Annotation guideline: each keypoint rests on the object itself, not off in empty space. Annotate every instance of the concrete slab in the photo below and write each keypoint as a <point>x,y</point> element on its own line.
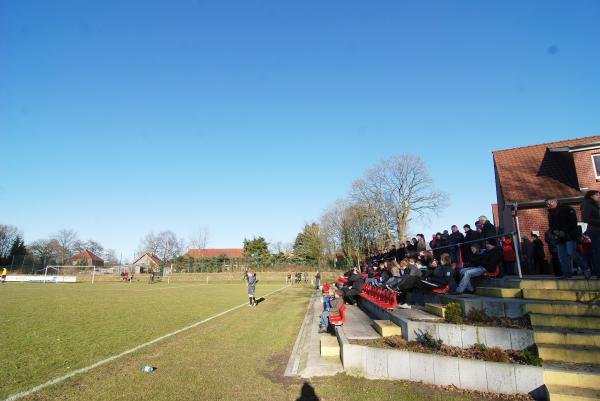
<point>376,363</point>
<point>436,309</point>
<point>422,368</point>
<point>446,370</point>
<point>500,378</point>
<point>358,325</point>
<point>306,360</point>
<point>387,328</point>
<point>450,334</point>
<point>472,376</point>
<point>498,336</point>
<point>399,365</point>
<point>529,378</point>
<point>329,345</point>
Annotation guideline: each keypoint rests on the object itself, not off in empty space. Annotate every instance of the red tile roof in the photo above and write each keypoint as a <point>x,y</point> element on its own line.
<point>211,253</point>
<point>532,173</point>
<point>86,255</point>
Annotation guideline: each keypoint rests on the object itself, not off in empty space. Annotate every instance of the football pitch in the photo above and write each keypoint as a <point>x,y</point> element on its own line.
<point>205,343</point>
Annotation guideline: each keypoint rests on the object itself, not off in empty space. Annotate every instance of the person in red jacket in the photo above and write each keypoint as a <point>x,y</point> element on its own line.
<point>509,256</point>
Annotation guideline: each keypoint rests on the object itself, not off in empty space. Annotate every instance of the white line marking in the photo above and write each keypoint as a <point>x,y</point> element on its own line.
<point>112,358</point>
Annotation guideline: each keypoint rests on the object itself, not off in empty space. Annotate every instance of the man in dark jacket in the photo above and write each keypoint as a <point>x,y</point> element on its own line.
<point>410,276</point>
<point>590,213</point>
<point>470,236</point>
<point>353,287</point>
<point>551,242</point>
<point>487,230</point>
<point>481,263</point>
<point>563,225</point>
<point>538,254</point>
<point>454,239</point>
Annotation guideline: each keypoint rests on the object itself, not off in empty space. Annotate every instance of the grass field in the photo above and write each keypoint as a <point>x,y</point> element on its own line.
<point>51,329</point>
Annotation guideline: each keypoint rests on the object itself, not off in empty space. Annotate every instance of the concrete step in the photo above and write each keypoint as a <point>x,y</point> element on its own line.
<point>569,285</point>
<point>558,336</point>
<point>498,292</point>
<point>387,328</point>
<point>436,309</point>
<point>562,295</point>
<point>574,309</point>
<point>583,376</point>
<point>569,353</point>
<point>570,393</point>
<point>563,321</point>
<point>329,345</point>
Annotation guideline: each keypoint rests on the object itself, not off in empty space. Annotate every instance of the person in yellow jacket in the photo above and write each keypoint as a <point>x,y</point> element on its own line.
<point>4,272</point>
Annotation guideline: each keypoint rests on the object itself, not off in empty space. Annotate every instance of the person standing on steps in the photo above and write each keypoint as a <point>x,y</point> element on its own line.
<point>562,220</point>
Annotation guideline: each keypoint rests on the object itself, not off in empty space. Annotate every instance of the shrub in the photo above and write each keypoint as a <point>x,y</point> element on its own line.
<point>454,313</point>
<point>480,347</point>
<point>530,357</point>
<point>495,354</point>
<point>476,315</point>
<point>427,340</point>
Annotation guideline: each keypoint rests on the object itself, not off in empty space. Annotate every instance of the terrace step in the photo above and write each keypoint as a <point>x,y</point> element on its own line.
<point>561,336</point>
<point>498,292</point>
<point>583,376</point>
<point>575,309</point>
<point>570,322</point>
<point>329,345</point>
<point>569,285</point>
<point>569,353</point>
<point>562,295</point>
<point>387,328</point>
<point>436,309</point>
<point>570,393</point>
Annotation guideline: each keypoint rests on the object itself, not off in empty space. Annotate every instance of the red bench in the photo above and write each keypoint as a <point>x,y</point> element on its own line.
<point>338,319</point>
<point>442,290</point>
<point>383,298</point>
<point>342,280</point>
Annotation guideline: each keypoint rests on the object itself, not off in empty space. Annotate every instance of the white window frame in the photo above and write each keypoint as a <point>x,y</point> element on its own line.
<point>594,164</point>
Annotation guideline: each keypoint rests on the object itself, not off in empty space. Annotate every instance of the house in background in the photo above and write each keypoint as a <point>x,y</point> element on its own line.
<point>144,263</point>
<point>526,176</point>
<point>87,258</point>
<point>213,253</point>
<point>232,257</point>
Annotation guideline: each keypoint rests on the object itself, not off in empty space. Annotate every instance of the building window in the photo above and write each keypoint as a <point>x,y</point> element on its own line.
<point>596,159</point>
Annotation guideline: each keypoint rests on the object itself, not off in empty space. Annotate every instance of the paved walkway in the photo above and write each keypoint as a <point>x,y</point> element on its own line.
<point>306,360</point>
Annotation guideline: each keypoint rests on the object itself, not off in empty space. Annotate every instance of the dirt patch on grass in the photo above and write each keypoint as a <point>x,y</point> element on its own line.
<point>274,369</point>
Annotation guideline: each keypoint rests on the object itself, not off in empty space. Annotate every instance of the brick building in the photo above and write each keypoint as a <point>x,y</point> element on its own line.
<point>87,258</point>
<point>526,176</point>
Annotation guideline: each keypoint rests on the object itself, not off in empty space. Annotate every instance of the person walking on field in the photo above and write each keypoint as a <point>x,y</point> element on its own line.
<point>318,279</point>
<point>4,273</point>
<point>251,280</point>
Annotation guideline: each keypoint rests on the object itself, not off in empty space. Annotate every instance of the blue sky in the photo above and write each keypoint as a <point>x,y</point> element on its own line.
<point>122,117</point>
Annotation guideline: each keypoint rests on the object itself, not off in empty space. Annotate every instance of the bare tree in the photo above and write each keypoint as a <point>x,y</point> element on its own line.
<point>8,235</point>
<point>397,190</point>
<point>90,245</point>
<point>66,240</point>
<point>47,251</point>
<point>165,244</point>
<point>348,227</point>
<point>200,238</point>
